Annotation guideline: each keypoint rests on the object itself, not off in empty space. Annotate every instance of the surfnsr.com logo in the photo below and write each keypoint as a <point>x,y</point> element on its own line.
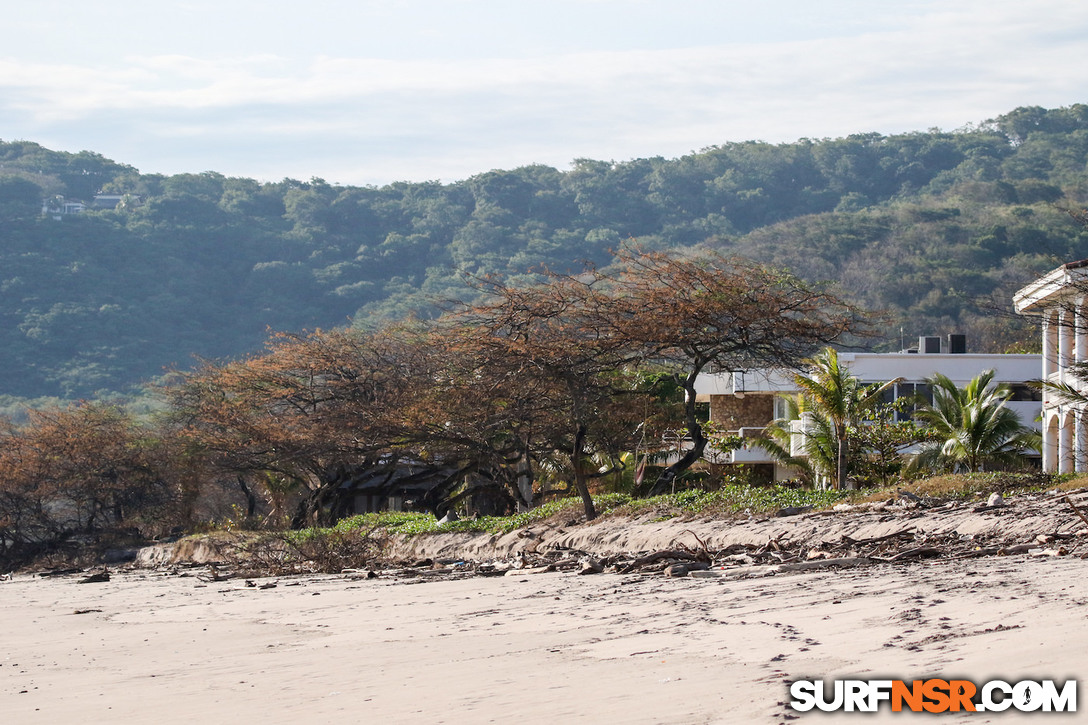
<point>934,695</point>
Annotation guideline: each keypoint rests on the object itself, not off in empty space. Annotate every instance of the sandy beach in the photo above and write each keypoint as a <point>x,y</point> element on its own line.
<point>155,646</point>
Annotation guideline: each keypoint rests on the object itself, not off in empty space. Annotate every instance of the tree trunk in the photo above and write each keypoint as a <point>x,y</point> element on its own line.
<point>251,500</point>
<point>525,482</point>
<point>311,510</point>
<point>840,464</point>
<point>580,483</point>
<point>695,431</point>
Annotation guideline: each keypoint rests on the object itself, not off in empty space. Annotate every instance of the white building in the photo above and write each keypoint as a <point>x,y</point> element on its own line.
<point>745,402</point>
<point>1059,298</point>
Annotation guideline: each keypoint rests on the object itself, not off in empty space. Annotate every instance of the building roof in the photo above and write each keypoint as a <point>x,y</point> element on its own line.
<point>1053,287</point>
<point>879,367</point>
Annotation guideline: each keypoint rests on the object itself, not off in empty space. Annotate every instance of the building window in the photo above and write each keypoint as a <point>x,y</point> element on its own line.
<point>1023,391</point>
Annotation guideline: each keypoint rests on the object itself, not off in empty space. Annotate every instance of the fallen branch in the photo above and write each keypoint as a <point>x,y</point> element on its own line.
<point>920,552</point>
<point>823,564</point>
<point>682,570</point>
<point>704,551</point>
<point>1017,549</point>
<point>658,556</point>
<point>746,572</point>
<point>102,576</point>
<point>1070,502</point>
<point>876,539</point>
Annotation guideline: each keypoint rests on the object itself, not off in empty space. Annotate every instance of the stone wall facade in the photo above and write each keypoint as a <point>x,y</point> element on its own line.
<point>751,411</point>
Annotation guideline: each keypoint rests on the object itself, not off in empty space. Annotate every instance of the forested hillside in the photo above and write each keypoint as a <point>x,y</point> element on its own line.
<point>926,226</point>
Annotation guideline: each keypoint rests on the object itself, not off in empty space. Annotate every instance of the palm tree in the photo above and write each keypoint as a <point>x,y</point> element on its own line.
<point>837,400</point>
<point>973,426</point>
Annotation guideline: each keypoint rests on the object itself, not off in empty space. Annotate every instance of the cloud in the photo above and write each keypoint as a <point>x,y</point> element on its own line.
<point>379,119</point>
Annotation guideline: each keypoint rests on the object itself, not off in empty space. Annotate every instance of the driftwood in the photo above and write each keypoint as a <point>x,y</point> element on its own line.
<point>591,566</point>
<point>876,539</point>
<point>686,569</point>
<point>975,553</point>
<point>1017,549</point>
<point>569,561</point>
<point>215,575</point>
<point>703,551</point>
<point>1074,506</point>
<point>823,564</point>
<point>792,511</point>
<point>745,572</point>
<point>680,554</point>
<point>777,544</point>
<point>97,578</point>
<point>921,552</point>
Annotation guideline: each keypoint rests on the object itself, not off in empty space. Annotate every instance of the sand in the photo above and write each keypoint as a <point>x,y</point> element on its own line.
<point>154,647</point>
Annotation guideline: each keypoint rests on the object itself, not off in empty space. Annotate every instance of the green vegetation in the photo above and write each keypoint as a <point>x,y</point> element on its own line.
<point>403,522</point>
<point>974,486</point>
<point>936,228</point>
<point>729,501</point>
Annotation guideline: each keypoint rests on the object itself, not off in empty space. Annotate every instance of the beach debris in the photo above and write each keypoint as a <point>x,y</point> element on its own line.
<point>670,556</point>
<point>96,578</point>
<point>761,571</point>
<point>591,566</point>
<point>1074,507</point>
<point>877,539</point>
<point>685,569</point>
<point>215,574</point>
<point>908,495</point>
<point>255,585</point>
<point>1017,549</point>
<point>919,552</point>
<point>994,502</point>
<point>909,529</point>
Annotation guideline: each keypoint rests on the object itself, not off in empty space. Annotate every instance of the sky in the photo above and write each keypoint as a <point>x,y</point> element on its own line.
<point>364,92</point>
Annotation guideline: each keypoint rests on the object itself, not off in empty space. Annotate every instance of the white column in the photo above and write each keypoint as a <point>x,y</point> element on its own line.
<point>1065,443</point>
<point>1080,441</point>
<point>1050,344</point>
<point>1080,340</point>
<point>1050,445</point>
<point>1065,339</point>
